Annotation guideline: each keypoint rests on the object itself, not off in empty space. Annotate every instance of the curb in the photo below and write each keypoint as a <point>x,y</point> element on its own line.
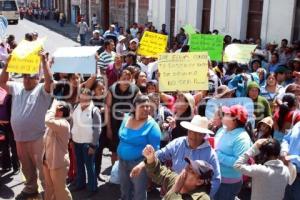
<point>57,30</point>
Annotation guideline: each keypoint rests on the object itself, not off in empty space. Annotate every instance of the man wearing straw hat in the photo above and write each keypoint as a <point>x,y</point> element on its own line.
<point>194,146</point>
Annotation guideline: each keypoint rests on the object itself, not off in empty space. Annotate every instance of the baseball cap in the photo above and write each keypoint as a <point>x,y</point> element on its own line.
<point>282,69</point>
<point>134,40</point>
<point>201,167</point>
<point>237,111</point>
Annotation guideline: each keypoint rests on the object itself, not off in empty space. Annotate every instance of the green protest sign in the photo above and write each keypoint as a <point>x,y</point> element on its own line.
<point>213,44</point>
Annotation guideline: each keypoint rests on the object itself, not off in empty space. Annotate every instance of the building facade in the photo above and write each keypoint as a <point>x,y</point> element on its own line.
<point>270,20</point>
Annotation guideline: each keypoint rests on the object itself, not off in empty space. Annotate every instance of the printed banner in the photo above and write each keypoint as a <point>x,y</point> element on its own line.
<point>240,53</point>
<point>75,60</point>
<point>183,71</point>
<point>213,44</point>
<point>153,44</point>
<point>25,58</point>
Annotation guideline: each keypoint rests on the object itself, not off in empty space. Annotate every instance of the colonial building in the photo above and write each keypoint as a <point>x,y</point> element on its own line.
<point>270,20</point>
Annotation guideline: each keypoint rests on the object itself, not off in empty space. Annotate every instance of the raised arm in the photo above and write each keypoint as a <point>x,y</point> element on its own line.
<point>4,77</point>
<point>47,72</point>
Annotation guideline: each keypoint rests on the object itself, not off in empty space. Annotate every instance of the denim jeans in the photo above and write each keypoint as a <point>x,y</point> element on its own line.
<point>228,191</point>
<point>292,192</point>
<point>84,160</point>
<point>132,188</point>
<point>82,39</point>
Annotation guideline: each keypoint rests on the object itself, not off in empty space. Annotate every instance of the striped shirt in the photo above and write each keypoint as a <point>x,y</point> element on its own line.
<point>106,59</point>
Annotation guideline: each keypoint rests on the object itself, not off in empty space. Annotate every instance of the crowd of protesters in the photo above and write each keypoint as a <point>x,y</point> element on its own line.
<point>58,124</point>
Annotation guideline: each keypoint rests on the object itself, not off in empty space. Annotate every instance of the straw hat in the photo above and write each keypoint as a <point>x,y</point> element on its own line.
<point>198,124</point>
<point>223,90</point>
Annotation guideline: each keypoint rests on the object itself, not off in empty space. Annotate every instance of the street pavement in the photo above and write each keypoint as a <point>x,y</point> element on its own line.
<point>11,185</point>
<point>53,41</point>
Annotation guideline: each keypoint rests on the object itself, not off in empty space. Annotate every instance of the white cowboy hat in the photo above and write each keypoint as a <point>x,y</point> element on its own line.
<point>121,37</point>
<point>198,124</point>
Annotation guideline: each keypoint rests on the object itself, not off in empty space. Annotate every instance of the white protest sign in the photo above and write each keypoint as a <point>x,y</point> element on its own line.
<point>75,60</point>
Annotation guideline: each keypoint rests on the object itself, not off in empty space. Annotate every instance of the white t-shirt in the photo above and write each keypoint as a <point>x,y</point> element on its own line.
<point>94,20</point>
<point>82,131</point>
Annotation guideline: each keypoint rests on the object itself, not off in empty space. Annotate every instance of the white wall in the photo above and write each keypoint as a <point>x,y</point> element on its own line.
<point>230,17</point>
<point>277,20</point>
<point>188,12</point>
<point>159,13</point>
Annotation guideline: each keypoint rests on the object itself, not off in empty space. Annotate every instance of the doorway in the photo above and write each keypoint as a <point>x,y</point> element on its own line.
<point>254,19</point>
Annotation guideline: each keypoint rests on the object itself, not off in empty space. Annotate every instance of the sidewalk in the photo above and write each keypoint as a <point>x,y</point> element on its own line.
<point>68,30</point>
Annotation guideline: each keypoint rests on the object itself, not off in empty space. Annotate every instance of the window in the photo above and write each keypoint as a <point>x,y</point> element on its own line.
<point>8,6</point>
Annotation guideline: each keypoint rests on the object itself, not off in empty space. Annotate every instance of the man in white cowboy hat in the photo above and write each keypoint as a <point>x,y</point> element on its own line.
<point>194,145</point>
<point>121,48</point>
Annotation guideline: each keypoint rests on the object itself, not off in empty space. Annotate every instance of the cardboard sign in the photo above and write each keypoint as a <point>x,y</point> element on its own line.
<point>183,71</point>
<point>75,60</point>
<point>152,44</point>
<point>213,44</point>
<point>240,53</point>
<point>25,57</point>
<point>189,29</point>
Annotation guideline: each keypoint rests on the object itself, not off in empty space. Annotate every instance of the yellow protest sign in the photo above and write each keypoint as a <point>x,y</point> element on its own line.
<point>153,44</point>
<point>183,71</point>
<point>240,53</point>
<point>25,58</point>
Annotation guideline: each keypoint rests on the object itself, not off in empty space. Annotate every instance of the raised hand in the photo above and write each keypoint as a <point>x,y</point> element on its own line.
<point>149,154</point>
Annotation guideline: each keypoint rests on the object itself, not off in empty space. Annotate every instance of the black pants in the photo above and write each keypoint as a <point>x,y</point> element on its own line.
<point>103,143</point>
<point>9,150</point>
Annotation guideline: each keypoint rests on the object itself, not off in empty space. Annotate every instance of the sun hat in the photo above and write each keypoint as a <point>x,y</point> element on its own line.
<point>121,37</point>
<point>190,99</point>
<point>223,90</point>
<point>198,124</point>
<point>268,121</point>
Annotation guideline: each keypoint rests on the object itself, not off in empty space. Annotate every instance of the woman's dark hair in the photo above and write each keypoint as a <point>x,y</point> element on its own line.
<point>136,76</point>
<point>29,37</point>
<point>270,74</point>
<point>132,55</point>
<point>276,55</point>
<point>65,109</point>
<point>289,100</point>
<point>231,67</point>
<point>207,177</point>
<point>62,90</point>
<point>126,72</point>
<point>139,99</point>
<point>271,148</point>
<point>98,81</point>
